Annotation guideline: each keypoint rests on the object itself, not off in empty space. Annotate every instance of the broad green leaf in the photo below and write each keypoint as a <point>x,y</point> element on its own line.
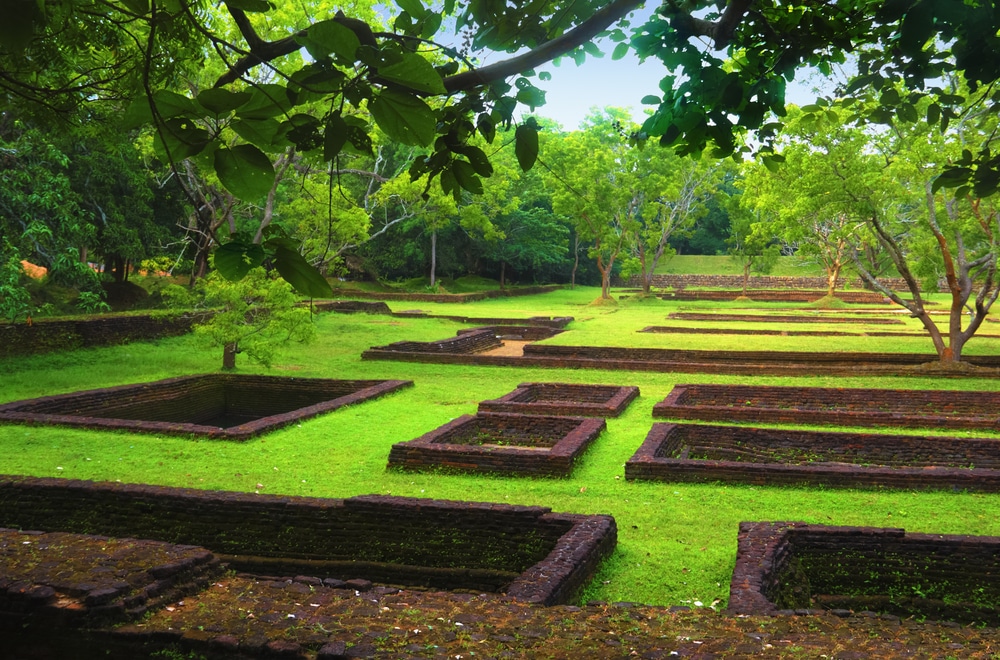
<point>952,177</point>
<point>235,259</point>
<point>245,171</point>
<point>478,159</point>
<point>621,50</point>
<point>177,139</point>
<point>933,113</point>
<point>466,177</point>
<point>298,272</point>
<point>486,127</point>
<point>171,104</point>
<point>268,100</point>
<point>250,5</point>
<point>414,72</point>
<point>404,117</point>
<point>330,36</point>
<point>140,7</point>
<point>592,49</point>
<point>221,101</point>
<point>137,114</point>
<point>544,76</point>
<point>650,99</point>
<point>261,132</point>
<point>526,145</point>
<point>413,7</point>
<point>531,96</point>
<point>335,136</point>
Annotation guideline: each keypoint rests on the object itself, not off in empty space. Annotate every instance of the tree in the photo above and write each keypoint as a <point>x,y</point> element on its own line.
<point>751,245</point>
<point>254,316</point>
<point>890,183</point>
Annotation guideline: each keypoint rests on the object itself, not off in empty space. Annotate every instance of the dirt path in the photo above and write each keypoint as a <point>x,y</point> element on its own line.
<point>509,348</point>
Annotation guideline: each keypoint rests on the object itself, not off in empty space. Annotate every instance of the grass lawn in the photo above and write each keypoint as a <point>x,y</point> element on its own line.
<point>699,264</point>
<point>677,542</point>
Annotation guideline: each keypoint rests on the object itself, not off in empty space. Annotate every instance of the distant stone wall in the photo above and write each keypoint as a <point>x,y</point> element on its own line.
<point>666,281</point>
<point>43,335</point>
<point>448,297</point>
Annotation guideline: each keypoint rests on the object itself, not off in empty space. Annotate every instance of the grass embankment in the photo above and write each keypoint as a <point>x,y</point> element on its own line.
<point>677,541</point>
<point>698,264</point>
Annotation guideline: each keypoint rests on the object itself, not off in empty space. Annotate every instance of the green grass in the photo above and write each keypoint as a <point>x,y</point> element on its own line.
<point>677,542</point>
<point>697,264</point>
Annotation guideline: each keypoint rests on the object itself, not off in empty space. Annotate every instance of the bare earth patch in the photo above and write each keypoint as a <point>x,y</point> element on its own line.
<point>509,348</point>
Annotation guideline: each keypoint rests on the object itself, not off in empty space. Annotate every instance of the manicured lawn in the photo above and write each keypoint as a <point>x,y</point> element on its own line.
<point>677,542</point>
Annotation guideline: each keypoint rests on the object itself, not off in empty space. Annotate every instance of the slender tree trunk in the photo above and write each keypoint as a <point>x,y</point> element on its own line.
<point>747,263</point>
<point>647,276</point>
<point>434,242</point>
<point>576,260</point>
<point>832,275</point>
<point>229,352</point>
<point>503,270</point>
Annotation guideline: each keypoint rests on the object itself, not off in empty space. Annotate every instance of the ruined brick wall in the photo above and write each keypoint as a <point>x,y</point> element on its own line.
<point>775,295</point>
<point>399,540</point>
<point>755,282</point>
<point>467,341</point>
<point>842,406</point>
<point>450,297</point>
<point>44,336</point>
<point>703,453</point>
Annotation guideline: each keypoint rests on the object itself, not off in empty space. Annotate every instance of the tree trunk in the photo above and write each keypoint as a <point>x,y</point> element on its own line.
<point>576,260</point>
<point>503,272</point>
<point>434,243</point>
<point>746,275</point>
<point>832,275</point>
<point>229,352</point>
<point>647,277</point>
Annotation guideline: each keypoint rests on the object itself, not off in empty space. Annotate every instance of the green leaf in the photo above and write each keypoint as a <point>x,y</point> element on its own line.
<point>245,171</point>
<point>171,104</point>
<point>335,136</point>
<point>327,37</point>
<point>178,139</point>
<point>933,113</point>
<point>526,145</point>
<point>907,113</point>
<point>137,114</point>
<point>952,177</point>
<point>404,118</point>
<point>221,101</point>
<point>261,132</point>
<point>591,48</point>
<point>413,7</point>
<point>650,99</point>
<point>544,76</point>
<point>235,259</point>
<point>140,7</point>
<point>478,159</point>
<point>414,72</point>
<point>486,127</point>
<point>268,100</point>
<point>298,272</point>
<point>466,176</point>
<point>250,5</point>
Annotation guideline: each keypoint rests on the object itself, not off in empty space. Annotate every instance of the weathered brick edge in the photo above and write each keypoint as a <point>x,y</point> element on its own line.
<point>149,393</point>
<point>903,406</point>
<point>45,335</point>
<point>447,537</point>
<point>780,318</point>
<point>676,281</point>
<point>776,295</point>
<point>649,463</point>
<point>450,297</point>
<point>613,406</point>
<point>765,548</point>
<point>104,598</point>
<point>548,321</point>
<point>431,451</point>
<point>682,330</point>
<point>687,362</point>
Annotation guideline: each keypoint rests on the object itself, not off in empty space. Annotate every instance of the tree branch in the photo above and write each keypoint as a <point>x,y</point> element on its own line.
<point>720,31</point>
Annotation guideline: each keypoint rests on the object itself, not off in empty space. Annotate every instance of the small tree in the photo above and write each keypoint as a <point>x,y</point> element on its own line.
<point>750,246</point>
<point>256,315</point>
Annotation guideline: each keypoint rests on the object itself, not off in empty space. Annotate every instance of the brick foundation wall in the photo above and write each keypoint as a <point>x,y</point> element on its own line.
<point>564,399</point>
<point>467,341</point>
<point>776,295</point>
<point>450,297</point>
<point>504,443</point>
<point>840,406</point>
<point>755,282</point>
<point>705,453</point>
<point>44,335</point>
<point>409,541</point>
<point>783,567</point>
<point>245,405</point>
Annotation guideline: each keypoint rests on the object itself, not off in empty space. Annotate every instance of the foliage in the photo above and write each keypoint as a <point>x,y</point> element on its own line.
<point>92,302</point>
<point>256,315</point>
<point>15,301</point>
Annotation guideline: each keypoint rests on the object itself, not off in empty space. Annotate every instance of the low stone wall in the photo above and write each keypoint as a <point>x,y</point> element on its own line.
<point>503,443</point>
<point>43,335</point>
<point>450,297</point>
<point>532,321</point>
<point>776,295</point>
<point>668,281</point>
<point>564,399</point>
<point>529,552</point>
<point>840,406</point>
<point>705,453</point>
<point>229,406</point>
<point>467,341</point>
<point>679,330</point>
<point>785,568</point>
<point>781,318</point>
<point>352,307</point>
<point>518,332</point>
